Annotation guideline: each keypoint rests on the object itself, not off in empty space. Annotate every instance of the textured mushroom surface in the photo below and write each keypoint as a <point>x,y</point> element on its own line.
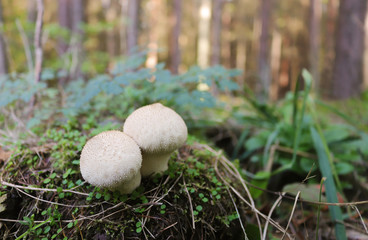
<point>158,130</point>
<point>112,160</point>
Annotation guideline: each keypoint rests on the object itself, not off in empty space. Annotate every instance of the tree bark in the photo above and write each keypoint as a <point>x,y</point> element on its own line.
<point>174,51</point>
<point>348,71</point>
<point>216,32</point>
<point>3,55</point>
<point>132,28</point>
<point>314,41</point>
<point>264,71</point>
<point>203,47</point>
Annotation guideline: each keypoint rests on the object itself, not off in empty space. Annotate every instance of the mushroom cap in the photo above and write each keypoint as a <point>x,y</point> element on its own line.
<point>156,128</point>
<point>110,159</point>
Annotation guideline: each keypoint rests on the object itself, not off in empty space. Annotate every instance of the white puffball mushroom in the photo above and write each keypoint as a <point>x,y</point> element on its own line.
<point>158,130</point>
<point>112,160</point>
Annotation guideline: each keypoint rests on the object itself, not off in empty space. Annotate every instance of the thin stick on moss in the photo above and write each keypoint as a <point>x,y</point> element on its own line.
<point>53,203</point>
<point>40,189</point>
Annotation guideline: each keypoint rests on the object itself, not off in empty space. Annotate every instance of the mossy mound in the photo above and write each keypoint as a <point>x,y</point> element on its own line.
<point>43,196</point>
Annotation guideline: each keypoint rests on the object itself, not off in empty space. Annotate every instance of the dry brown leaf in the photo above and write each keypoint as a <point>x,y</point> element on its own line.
<point>4,155</point>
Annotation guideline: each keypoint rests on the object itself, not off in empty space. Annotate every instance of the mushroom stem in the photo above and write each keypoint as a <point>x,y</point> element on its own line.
<point>154,163</point>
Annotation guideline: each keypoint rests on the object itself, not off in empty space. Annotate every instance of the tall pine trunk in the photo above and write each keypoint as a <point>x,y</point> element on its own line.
<point>349,48</point>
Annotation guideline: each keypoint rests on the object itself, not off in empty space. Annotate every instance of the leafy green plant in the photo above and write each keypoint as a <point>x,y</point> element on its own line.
<point>287,131</point>
<point>295,138</point>
<point>128,86</point>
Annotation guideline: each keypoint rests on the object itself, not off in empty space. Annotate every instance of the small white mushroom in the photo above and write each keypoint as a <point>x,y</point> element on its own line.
<point>158,130</point>
<point>112,160</point>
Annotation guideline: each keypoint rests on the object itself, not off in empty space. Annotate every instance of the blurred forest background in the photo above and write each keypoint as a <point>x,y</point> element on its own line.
<point>278,86</point>
<point>270,41</point>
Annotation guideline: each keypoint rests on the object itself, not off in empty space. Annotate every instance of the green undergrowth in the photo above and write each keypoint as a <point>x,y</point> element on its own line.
<point>43,195</point>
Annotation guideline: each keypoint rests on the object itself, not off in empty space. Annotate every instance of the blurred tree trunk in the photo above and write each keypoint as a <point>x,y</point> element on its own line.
<point>64,22</point>
<point>38,41</point>
<point>3,56</point>
<point>111,14</point>
<point>132,28</point>
<point>314,41</point>
<point>174,50</point>
<point>348,71</point>
<point>31,11</point>
<point>123,27</point>
<point>264,72</point>
<point>203,47</point>
<point>329,56</point>
<point>365,61</point>
<point>216,32</point>
<point>77,39</point>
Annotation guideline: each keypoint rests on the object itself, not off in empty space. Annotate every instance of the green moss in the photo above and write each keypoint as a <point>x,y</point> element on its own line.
<point>189,192</point>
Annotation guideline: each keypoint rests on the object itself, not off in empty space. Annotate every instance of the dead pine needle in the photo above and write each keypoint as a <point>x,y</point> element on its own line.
<point>277,202</point>
<point>190,203</point>
<point>239,217</point>
<point>361,218</point>
<point>292,214</point>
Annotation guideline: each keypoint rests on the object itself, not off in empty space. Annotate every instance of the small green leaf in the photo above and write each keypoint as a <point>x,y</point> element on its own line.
<point>70,225</point>
<point>98,195</point>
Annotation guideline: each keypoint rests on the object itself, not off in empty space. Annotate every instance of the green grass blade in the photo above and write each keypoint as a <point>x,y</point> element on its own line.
<point>299,120</point>
<point>331,193</point>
